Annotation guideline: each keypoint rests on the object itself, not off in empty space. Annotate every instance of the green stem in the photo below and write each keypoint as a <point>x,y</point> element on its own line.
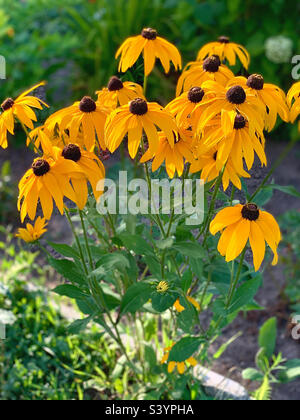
<point>77,241</point>
<point>234,281</point>
<point>86,240</point>
<point>278,162</point>
<point>145,85</point>
<point>232,194</point>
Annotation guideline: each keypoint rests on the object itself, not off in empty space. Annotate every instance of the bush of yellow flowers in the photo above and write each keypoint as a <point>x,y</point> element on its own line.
<point>153,276</point>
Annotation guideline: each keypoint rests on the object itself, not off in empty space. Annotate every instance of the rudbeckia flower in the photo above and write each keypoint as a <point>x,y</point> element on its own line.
<point>175,156</point>
<point>152,46</point>
<point>207,165</point>
<point>272,98</point>
<point>46,180</point>
<point>226,50</point>
<point>293,98</point>
<point>118,93</point>
<point>135,117</point>
<point>162,287</point>
<point>237,143</point>
<point>195,73</point>
<point>90,168</point>
<point>180,365</point>
<point>231,98</point>
<point>185,107</point>
<point>239,224</point>
<point>33,233</point>
<point>87,117</point>
<point>20,108</point>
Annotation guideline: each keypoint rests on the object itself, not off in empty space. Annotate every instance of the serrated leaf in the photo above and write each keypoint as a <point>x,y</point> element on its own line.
<point>135,297</point>
<point>184,349</point>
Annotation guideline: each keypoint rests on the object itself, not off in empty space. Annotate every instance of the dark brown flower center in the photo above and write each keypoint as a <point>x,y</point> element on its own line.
<point>7,104</point>
<point>212,64</point>
<point>224,39</point>
<point>72,152</point>
<point>250,212</point>
<point>239,122</point>
<point>256,81</point>
<point>87,104</point>
<point>114,84</point>
<point>149,33</point>
<point>215,156</point>
<point>195,94</point>
<point>236,95</point>
<point>40,167</point>
<point>138,106</point>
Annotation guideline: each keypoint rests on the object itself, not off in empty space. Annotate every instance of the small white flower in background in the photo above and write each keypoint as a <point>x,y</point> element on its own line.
<point>279,49</point>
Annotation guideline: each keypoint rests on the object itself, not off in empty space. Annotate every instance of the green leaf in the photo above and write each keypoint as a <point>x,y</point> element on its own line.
<point>189,249</point>
<point>290,190</point>
<point>150,357</point>
<point>252,375</point>
<point>291,371</point>
<point>136,244</point>
<point>79,325</point>
<point>65,250</point>
<point>68,269</point>
<point>154,265</point>
<point>245,293</point>
<point>165,243</point>
<point>70,291</point>
<point>196,265</point>
<point>268,336</point>
<point>186,281</point>
<point>162,301</point>
<point>112,261</point>
<point>184,349</point>
<point>135,297</point>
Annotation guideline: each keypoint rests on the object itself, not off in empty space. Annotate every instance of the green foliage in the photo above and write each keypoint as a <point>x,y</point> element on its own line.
<point>7,195</point>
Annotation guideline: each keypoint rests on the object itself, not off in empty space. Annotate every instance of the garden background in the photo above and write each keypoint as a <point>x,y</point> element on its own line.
<point>70,44</point>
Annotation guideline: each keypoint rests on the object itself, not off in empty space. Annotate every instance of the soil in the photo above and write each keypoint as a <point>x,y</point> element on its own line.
<point>241,354</point>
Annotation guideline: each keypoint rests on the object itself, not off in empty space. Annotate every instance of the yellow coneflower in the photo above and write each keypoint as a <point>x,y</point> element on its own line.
<point>87,117</point>
<point>226,50</point>
<point>207,165</point>
<point>132,119</point>
<point>271,96</point>
<point>46,180</point>
<point>33,233</point>
<point>180,365</point>
<point>180,308</point>
<point>90,168</point>
<point>175,156</point>
<point>236,142</point>
<point>231,98</point>
<point>185,107</point>
<point>196,73</point>
<point>152,46</point>
<point>293,98</point>
<point>20,108</point>
<point>118,93</point>
<point>162,287</point>
<point>239,224</point>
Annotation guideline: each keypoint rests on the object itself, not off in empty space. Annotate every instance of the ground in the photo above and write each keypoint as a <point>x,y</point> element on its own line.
<point>241,354</point>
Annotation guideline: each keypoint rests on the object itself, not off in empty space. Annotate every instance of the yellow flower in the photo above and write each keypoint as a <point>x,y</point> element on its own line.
<point>180,308</point>
<point>162,287</point>
<point>135,117</point>
<point>46,180</point>
<point>239,224</point>
<point>86,116</point>
<point>19,108</point>
<point>33,233</point>
<point>237,142</point>
<point>293,98</point>
<point>152,46</point>
<point>272,98</point>
<point>231,98</point>
<point>118,93</point>
<point>175,156</point>
<point>196,73</point>
<point>90,168</point>
<point>226,50</point>
<point>207,165</point>
<point>180,365</point>
<point>186,108</point>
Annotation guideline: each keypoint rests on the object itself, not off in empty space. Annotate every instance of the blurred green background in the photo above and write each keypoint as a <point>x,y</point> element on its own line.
<point>72,43</point>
